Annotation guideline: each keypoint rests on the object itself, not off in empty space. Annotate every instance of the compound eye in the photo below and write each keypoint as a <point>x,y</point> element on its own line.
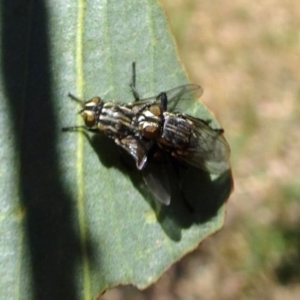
<point>155,110</point>
<point>90,104</point>
<point>151,132</point>
<point>96,100</point>
<point>89,118</point>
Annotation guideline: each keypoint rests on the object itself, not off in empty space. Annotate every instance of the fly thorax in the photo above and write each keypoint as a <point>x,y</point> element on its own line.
<point>115,120</point>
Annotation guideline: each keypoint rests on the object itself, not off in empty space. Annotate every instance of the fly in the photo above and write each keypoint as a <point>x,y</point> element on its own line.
<point>153,127</point>
<point>115,121</point>
<point>189,139</point>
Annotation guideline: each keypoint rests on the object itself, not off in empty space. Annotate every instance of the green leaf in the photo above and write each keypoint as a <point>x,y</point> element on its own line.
<point>75,219</point>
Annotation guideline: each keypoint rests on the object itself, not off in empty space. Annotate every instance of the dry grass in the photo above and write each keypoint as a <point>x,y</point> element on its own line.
<point>246,55</point>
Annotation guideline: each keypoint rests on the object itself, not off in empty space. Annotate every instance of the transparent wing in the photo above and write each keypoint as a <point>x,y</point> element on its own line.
<point>135,148</point>
<point>209,150</point>
<point>181,95</point>
<point>156,178</point>
<point>175,97</point>
<point>155,173</point>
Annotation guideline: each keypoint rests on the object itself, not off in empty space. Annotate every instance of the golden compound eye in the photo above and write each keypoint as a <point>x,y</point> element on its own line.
<point>151,132</point>
<point>91,103</point>
<point>155,110</point>
<point>96,100</point>
<point>89,118</point>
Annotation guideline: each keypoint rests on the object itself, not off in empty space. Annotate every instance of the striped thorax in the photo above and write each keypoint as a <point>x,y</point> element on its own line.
<point>114,120</point>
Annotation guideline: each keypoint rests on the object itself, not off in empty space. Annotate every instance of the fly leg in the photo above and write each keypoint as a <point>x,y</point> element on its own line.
<point>75,98</point>
<point>80,127</point>
<point>163,100</point>
<point>135,93</point>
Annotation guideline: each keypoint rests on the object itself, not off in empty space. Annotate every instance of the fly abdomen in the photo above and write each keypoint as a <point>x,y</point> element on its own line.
<point>176,131</point>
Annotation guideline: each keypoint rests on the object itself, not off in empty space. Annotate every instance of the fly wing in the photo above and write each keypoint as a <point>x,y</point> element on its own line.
<point>181,95</point>
<point>136,149</point>
<point>175,97</point>
<point>156,177</point>
<point>209,150</point>
<point>155,174</point>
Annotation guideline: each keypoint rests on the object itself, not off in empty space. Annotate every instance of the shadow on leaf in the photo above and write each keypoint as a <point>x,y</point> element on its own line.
<point>195,197</point>
<point>47,231</point>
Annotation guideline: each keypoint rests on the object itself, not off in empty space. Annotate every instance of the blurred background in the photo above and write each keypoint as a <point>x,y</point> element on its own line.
<point>246,56</point>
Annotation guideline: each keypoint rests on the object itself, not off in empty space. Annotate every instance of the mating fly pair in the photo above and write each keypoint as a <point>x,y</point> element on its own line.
<point>150,128</point>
